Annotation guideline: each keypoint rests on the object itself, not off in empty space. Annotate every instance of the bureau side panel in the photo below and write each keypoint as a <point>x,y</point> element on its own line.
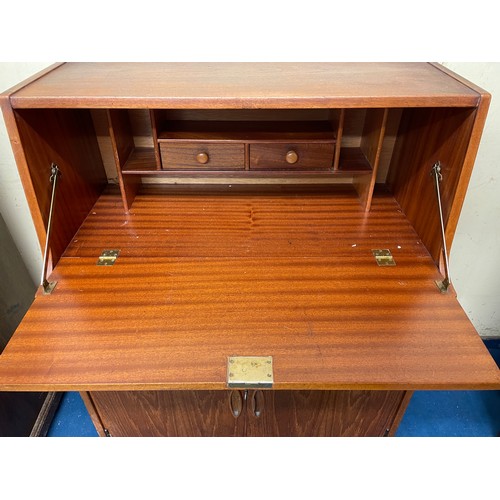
<point>425,136</point>
<point>67,138</point>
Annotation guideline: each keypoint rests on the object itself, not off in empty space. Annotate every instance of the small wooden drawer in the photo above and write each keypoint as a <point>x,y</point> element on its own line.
<point>291,156</point>
<point>204,156</point>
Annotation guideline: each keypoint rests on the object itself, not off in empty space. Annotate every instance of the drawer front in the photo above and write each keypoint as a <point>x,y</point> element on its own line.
<point>202,156</point>
<point>291,156</point>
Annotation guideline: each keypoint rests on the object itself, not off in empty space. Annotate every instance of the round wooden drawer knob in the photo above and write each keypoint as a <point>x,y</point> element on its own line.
<point>292,157</point>
<point>202,158</point>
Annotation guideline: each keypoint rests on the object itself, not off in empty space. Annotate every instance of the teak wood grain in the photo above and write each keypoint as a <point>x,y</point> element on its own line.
<point>273,156</point>
<point>371,146</point>
<point>280,413</point>
<point>65,137</point>
<point>181,156</point>
<point>244,221</point>
<point>427,136</point>
<point>248,131</point>
<point>168,414</point>
<point>291,276</point>
<point>322,413</point>
<point>122,141</point>
<point>245,85</point>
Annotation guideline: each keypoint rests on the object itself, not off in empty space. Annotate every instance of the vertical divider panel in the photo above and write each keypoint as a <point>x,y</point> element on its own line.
<point>154,129</point>
<point>338,141</point>
<point>371,145</point>
<point>122,141</point>
<point>247,156</point>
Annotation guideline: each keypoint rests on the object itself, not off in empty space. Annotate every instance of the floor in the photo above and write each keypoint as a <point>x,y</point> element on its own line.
<point>430,413</point>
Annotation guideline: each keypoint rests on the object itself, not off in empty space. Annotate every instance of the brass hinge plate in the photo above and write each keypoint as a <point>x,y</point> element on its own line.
<point>384,257</point>
<point>250,372</point>
<point>108,257</point>
<point>443,285</point>
<point>48,287</point>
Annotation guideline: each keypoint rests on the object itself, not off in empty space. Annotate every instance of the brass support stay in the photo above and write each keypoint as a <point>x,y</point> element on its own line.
<point>444,284</point>
<point>48,286</point>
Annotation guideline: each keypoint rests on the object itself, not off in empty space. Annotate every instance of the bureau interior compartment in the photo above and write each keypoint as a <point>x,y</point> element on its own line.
<point>283,141</point>
<point>395,148</point>
<point>249,146</point>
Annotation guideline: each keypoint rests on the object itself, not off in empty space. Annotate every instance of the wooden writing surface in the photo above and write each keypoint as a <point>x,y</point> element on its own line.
<point>246,280</point>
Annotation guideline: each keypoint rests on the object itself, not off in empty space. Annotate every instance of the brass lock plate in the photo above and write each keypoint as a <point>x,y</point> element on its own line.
<point>384,257</point>
<point>250,372</point>
<point>107,257</point>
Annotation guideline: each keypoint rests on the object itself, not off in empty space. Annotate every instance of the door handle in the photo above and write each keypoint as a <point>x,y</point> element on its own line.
<point>236,400</point>
<point>257,403</point>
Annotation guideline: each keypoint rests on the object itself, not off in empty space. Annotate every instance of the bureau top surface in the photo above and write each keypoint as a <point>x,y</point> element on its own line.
<point>245,85</point>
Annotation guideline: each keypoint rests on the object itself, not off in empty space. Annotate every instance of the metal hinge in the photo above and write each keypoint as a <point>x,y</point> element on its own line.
<point>107,433</point>
<point>250,372</point>
<point>384,257</point>
<point>48,286</point>
<point>108,257</point>
<point>445,283</point>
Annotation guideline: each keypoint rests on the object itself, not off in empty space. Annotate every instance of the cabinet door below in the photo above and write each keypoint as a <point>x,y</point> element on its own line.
<point>168,413</point>
<point>322,413</point>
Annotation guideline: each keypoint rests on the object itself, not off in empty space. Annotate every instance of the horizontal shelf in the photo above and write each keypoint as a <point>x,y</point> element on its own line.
<point>141,161</point>
<point>248,131</point>
<point>242,174</point>
<point>353,160</point>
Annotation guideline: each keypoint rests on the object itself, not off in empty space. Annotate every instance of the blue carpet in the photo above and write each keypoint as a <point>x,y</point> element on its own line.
<point>454,413</point>
<point>430,413</point>
<point>72,418</point>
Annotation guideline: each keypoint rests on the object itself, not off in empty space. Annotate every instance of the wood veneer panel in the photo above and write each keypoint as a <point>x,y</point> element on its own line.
<point>141,161</point>
<point>122,141</point>
<point>468,162</point>
<point>324,413</point>
<point>248,131</point>
<point>154,118</point>
<point>340,133</point>
<point>352,159</point>
<point>309,156</point>
<point>120,132</point>
<point>67,138</point>
<point>426,136</point>
<point>94,415</point>
<point>183,156</point>
<point>283,413</point>
<point>19,155</point>
<point>336,321</point>
<point>400,413</point>
<point>168,414</point>
<point>371,146</point>
<point>244,221</point>
<point>22,167</point>
<point>245,85</point>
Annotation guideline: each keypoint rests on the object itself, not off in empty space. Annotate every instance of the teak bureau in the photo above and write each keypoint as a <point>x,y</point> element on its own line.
<point>245,249</point>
